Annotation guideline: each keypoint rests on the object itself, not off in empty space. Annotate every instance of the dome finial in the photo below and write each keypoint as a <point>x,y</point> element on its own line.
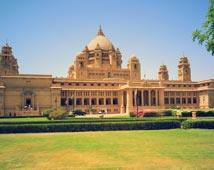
<point>100,31</point>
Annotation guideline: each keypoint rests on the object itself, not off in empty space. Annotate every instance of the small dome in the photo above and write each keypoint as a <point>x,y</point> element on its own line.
<point>183,59</point>
<point>133,58</point>
<point>104,43</point>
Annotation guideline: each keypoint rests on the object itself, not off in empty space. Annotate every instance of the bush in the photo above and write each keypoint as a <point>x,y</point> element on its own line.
<point>145,113</point>
<point>186,113</point>
<point>151,114</point>
<point>199,113</point>
<point>131,114</point>
<point>55,114</point>
<point>166,112</point>
<point>202,124</point>
<point>77,127</point>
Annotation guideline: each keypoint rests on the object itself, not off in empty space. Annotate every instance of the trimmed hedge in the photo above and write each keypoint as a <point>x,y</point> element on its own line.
<point>202,124</point>
<point>77,127</point>
<point>87,120</point>
<point>166,113</point>
<point>199,113</point>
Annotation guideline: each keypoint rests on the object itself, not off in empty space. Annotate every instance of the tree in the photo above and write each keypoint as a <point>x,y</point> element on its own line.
<point>207,35</point>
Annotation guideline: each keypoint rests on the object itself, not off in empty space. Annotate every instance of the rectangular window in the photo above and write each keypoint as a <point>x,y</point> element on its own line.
<point>178,101</point>
<point>115,101</point>
<point>78,101</point>
<point>108,101</point>
<point>166,100</point>
<point>93,101</point>
<point>189,100</point>
<point>194,100</point>
<point>183,100</point>
<point>172,100</point>
<point>86,101</point>
<point>70,101</point>
<point>101,101</point>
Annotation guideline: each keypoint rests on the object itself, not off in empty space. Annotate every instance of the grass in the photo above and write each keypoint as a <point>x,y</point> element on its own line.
<point>119,150</point>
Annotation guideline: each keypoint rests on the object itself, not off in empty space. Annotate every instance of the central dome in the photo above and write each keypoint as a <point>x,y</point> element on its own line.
<point>101,41</point>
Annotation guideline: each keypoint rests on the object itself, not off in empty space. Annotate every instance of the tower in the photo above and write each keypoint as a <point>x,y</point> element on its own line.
<point>134,67</point>
<point>163,73</point>
<point>8,63</point>
<point>184,71</point>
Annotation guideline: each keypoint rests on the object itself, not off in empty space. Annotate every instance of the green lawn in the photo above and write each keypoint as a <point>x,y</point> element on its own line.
<point>117,150</point>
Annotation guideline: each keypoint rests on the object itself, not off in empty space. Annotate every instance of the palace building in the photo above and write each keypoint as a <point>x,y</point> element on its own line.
<point>96,80</point>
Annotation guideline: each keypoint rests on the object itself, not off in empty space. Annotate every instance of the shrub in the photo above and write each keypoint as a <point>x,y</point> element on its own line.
<point>151,114</point>
<point>144,113</point>
<point>186,113</point>
<point>199,113</point>
<point>166,112</point>
<point>202,124</point>
<point>55,114</point>
<point>209,113</point>
<point>131,114</point>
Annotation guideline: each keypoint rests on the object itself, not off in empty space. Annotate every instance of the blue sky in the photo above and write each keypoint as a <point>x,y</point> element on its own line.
<point>46,35</point>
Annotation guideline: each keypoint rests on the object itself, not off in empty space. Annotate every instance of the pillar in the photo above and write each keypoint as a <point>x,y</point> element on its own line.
<point>129,100</point>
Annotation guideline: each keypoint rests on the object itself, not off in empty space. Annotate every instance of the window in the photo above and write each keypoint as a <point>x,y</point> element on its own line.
<point>78,101</point>
<point>115,101</point>
<point>70,101</point>
<point>194,100</point>
<point>178,101</point>
<point>81,64</point>
<point>63,101</point>
<point>101,101</point>
<point>135,66</point>
<point>189,100</point>
<point>93,101</point>
<point>109,75</point>
<point>183,100</point>
<point>108,101</point>
<point>166,100</point>
<point>166,94</point>
<point>172,100</point>
<point>86,101</point>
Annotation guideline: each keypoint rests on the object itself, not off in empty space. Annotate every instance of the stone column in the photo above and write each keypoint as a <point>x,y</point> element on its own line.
<point>156,98</point>
<point>129,100</point>
<point>161,98</point>
<point>121,103</point>
<point>142,98</point>
<point>149,97</point>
